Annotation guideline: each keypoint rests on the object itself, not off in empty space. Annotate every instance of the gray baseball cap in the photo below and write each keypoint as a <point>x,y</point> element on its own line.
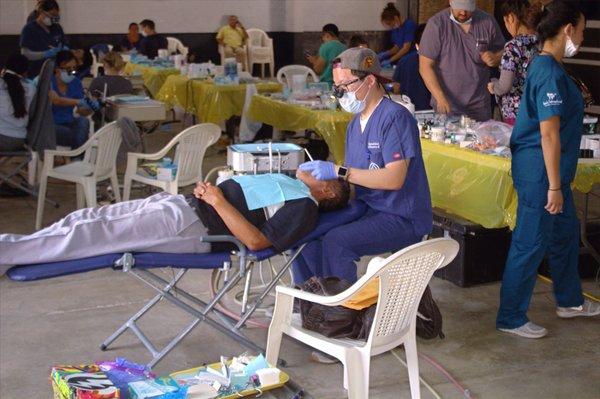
<point>360,59</point>
<point>467,5</point>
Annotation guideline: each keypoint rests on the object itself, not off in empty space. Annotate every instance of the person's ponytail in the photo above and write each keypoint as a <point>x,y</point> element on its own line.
<point>390,12</point>
<point>16,66</point>
<point>554,16</point>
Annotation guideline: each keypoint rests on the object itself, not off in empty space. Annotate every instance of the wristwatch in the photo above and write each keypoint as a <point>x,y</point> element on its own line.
<point>342,172</point>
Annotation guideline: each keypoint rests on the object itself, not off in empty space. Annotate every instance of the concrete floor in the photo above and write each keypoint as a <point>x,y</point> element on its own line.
<point>63,321</point>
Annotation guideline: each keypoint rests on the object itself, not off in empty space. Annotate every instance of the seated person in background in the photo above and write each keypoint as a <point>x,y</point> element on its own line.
<point>132,40</point>
<point>112,79</point>
<point>16,94</point>
<point>43,37</point>
<point>329,50</point>
<point>84,63</point>
<point>152,41</point>
<point>407,77</point>
<point>402,35</point>
<point>358,41</point>
<point>232,37</point>
<point>34,14</point>
<point>173,223</point>
<point>66,93</point>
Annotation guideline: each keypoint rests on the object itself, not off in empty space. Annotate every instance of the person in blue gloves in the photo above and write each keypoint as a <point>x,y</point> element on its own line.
<point>66,93</point>
<point>545,151</point>
<point>402,35</point>
<point>385,164</point>
<point>42,37</point>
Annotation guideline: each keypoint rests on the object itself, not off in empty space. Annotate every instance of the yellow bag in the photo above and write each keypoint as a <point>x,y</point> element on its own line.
<point>365,297</point>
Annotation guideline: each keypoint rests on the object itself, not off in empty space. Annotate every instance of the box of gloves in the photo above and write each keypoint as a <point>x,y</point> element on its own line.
<point>82,382</point>
<point>166,170</point>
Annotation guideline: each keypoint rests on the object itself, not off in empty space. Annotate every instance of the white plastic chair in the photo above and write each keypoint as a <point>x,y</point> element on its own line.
<point>176,45</point>
<point>285,74</point>
<point>96,63</point>
<point>260,51</point>
<point>189,154</point>
<point>222,54</point>
<point>403,277</point>
<point>99,163</point>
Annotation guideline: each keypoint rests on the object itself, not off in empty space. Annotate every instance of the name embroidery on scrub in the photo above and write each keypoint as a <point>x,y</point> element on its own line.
<point>372,145</point>
<point>553,100</point>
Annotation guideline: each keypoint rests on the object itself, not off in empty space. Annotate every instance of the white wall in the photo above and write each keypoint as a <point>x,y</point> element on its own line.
<point>181,16</point>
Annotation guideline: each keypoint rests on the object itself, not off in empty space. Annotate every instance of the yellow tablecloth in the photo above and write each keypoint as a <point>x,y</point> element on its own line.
<point>479,187</point>
<point>154,78</point>
<point>331,125</point>
<point>209,102</point>
<point>469,184</point>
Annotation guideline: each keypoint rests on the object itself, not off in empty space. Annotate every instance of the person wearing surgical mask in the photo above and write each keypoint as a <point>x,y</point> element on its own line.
<point>458,48</point>
<point>383,161</point>
<point>42,37</point>
<point>402,34</point>
<point>66,94</point>
<point>545,151</point>
<point>151,41</point>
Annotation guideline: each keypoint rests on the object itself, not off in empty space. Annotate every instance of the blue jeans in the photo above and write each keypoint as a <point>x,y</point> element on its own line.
<point>336,252</point>
<point>73,134</point>
<point>538,233</point>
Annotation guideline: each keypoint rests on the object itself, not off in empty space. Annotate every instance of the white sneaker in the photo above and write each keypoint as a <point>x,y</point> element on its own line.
<point>588,309</point>
<point>527,330</point>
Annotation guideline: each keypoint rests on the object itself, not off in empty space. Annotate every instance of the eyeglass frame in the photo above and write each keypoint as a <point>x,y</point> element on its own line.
<point>339,91</point>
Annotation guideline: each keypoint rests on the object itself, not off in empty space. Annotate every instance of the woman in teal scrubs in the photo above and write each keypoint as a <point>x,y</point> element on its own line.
<point>545,149</point>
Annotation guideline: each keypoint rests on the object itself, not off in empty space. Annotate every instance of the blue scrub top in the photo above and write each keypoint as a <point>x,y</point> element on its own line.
<point>548,92</point>
<point>404,33</point>
<point>35,38</point>
<point>391,134</point>
<point>64,115</point>
<point>411,83</point>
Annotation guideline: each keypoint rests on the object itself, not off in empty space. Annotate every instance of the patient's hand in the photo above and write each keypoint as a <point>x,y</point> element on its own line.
<point>208,193</point>
<point>200,189</point>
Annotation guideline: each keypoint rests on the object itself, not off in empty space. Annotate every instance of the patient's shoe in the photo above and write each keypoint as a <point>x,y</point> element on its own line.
<point>588,309</point>
<point>527,330</point>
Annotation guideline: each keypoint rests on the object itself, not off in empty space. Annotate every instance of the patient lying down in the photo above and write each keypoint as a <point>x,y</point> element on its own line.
<point>173,223</point>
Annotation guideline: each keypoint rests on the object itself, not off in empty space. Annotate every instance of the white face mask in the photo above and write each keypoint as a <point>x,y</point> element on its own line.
<point>47,21</point>
<point>144,33</point>
<point>468,21</point>
<point>570,48</point>
<point>66,77</point>
<point>351,104</point>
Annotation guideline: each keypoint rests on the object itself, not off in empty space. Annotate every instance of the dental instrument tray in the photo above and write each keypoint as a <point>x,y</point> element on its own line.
<point>264,157</point>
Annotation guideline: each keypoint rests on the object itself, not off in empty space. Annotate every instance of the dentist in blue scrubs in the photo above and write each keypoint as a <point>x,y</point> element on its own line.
<point>545,149</point>
<point>383,162</point>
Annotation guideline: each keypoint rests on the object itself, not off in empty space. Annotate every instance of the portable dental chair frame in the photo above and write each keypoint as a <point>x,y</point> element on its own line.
<point>236,265</point>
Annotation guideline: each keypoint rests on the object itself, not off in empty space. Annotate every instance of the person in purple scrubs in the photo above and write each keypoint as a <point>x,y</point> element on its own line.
<point>459,47</point>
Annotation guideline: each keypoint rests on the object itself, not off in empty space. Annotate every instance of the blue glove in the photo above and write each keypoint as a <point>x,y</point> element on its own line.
<point>321,170</point>
<point>51,52</point>
<point>89,103</point>
<point>386,63</point>
<point>383,55</point>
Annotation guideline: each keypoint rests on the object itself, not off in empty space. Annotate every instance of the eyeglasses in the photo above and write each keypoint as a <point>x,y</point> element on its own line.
<point>339,90</point>
<point>70,71</point>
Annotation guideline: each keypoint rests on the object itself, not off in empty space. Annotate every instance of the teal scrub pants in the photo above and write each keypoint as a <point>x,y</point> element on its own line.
<point>538,234</point>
